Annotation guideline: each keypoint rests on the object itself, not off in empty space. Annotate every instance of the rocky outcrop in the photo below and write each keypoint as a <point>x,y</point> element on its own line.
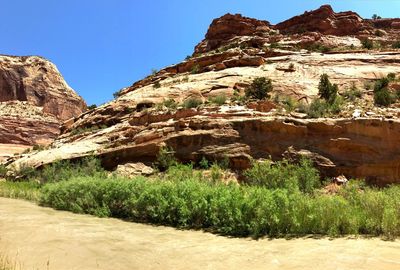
<point>34,101</point>
<point>359,141</point>
<point>229,26</point>
<point>325,21</point>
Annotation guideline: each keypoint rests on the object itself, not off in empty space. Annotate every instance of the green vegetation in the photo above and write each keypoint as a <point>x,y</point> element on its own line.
<point>92,107</point>
<point>192,103</point>
<point>259,88</point>
<point>376,17</point>
<point>367,44</point>
<point>165,158</point>
<point>317,47</point>
<point>289,103</point>
<point>218,100</point>
<point>195,69</point>
<point>20,190</point>
<point>283,175</point>
<point>353,93</point>
<point>187,201</point>
<point>81,130</point>
<point>116,94</point>
<point>382,95</point>
<point>277,199</point>
<point>327,90</point>
<point>321,108</point>
<point>396,45</point>
<point>170,104</point>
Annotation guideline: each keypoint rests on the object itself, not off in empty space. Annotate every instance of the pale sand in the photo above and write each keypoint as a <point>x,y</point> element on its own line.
<point>38,236</point>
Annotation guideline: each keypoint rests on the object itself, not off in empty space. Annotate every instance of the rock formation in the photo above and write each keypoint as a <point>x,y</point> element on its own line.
<point>34,101</point>
<point>151,113</point>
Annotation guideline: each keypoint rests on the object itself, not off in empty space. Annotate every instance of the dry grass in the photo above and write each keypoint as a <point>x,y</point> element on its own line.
<point>7,264</point>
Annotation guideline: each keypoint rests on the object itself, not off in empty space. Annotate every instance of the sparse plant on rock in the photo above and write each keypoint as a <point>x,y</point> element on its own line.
<point>192,103</point>
<point>327,90</point>
<point>260,88</point>
<point>218,100</point>
<point>195,69</point>
<point>353,93</point>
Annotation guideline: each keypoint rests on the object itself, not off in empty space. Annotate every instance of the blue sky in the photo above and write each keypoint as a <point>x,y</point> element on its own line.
<point>101,46</point>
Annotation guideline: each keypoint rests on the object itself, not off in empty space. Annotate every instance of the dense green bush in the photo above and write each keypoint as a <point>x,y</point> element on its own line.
<point>321,108</point>
<point>165,158</point>
<point>259,88</point>
<point>382,95</point>
<point>327,90</point>
<point>64,170</point>
<point>396,45</point>
<point>367,44</point>
<point>231,209</point>
<point>303,177</point>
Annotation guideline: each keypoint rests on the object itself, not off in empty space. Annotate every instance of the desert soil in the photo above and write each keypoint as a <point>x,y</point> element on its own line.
<point>42,238</point>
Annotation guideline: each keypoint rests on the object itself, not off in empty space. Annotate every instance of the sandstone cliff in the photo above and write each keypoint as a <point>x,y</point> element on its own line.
<point>359,141</point>
<point>34,101</point>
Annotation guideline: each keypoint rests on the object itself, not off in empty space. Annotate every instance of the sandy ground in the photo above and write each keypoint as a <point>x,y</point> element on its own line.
<point>42,238</point>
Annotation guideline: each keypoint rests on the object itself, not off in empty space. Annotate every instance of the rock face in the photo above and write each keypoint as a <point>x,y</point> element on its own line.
<point>325,21</point>
<point>230,26</point>
<point>34,101</point>
<point>237,50</point>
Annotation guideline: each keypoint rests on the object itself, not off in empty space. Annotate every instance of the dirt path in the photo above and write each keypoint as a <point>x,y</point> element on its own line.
<point>38,236</point>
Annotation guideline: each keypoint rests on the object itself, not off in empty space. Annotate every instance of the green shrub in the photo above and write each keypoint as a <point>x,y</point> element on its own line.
<point>391,77</point>
<point>3,170</point>
<point>218,100</point>
<point>92,107</point>
<point>204,164</point>
<point>367,44</point>
<point>81,130</point>
<point>259,88</point>
<point>327,90</point>
<point>396,45</point>
<point>289,103</point>
<point>282,174</point>
<point>353,93</point>
<point>192,103</point>
<point>165,158</point>
<point>318,108</point>
<point>170,104</point>
<point>195,69</point>
<point>383,97</point>
<point>279,200</point>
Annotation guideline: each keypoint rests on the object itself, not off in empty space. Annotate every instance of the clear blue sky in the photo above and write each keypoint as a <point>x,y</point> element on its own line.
<point>101,46</point>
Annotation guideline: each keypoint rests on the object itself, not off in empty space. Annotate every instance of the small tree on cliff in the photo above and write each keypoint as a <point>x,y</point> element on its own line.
<point>327,90</point>
<point>259,88</point>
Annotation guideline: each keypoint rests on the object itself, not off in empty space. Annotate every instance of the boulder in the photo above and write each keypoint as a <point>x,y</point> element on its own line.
<point>131,170</point>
